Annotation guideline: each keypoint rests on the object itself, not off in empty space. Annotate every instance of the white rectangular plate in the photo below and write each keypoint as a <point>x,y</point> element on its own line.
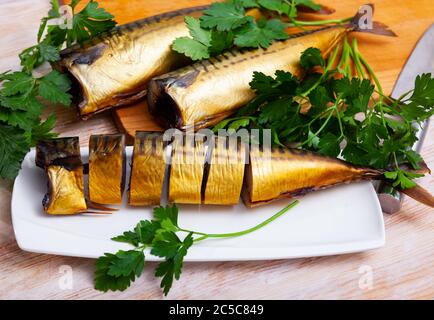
<point>339,220</point>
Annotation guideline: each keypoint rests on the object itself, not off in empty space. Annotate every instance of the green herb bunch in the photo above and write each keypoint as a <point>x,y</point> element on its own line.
<point>23,94</point>
<point>335,110</point>
<point>228,24</point>
<point>160,235</point>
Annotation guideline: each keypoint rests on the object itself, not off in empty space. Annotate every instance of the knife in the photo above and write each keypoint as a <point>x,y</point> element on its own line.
<point>420,61</point>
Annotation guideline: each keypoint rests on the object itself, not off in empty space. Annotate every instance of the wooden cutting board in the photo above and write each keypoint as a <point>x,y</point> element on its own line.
<point>409,19</point>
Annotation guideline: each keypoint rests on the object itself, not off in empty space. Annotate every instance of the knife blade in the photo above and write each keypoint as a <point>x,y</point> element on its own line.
<point>421,60</point>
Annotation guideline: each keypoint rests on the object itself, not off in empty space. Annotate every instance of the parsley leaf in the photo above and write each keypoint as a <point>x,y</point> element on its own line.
<point>281,7</point>
<point>191,48</point>
<point>127,263</point>
<point>54,87</point>
<point>171,268</point>
<point>224,16</point>
<point>309,4</point>
<point>220,41</point>
<point>227,24</point>
<point>198,47</point>
<point>18,83</point>
<point>104,281</point>
<point>201,35</point>
<point>117,271</point>
<point>43,130</point>
<point>89,22</point>
<point>34,56</point>
<point>13,147</point>
<point>261,34</point>
<point>328,145</point>
<point>402,179</point>
<point>311,57</point>
<point>130,237</point>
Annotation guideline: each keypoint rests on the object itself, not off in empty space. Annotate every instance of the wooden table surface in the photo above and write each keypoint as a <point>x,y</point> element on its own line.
<point>402,269</point>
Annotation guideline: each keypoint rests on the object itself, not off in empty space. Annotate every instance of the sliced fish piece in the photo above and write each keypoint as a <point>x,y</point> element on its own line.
<point>187,169</point>
<point>224,174</point>
<point>62,162</point>
<point>147,169</point>
<point>106,168</point>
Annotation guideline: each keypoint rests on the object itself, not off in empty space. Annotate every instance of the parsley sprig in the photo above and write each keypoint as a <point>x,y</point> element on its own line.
<point>232,24</point>
<point>24,94</point>
<point>335,110</point>
<point>160,235</point>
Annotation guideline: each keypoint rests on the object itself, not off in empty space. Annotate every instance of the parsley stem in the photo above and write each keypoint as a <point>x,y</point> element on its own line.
<point>331,109</point>
<point>244,232</point>
<point>321,22</point>
<point>343,60</point>
<point>346,58</point>
<point>356,58</point>
<point>330,64</point>
<point>372,74</point>
<point>380,102</point>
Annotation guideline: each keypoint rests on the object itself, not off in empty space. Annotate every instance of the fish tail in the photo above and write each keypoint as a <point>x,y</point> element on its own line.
<point>419,194</point>
<point>362,22</point>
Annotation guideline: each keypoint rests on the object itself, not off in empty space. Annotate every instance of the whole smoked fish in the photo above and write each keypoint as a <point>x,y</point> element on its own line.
<point>206,92</point>
<point>112,70</point>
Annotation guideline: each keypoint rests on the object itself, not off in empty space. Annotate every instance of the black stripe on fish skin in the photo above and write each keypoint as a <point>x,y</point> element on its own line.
<point>91,55</point>
<point>207,168</point>
<point>237,52</point>
<point>85,168</point>
<point>223,55</point>
<point>203,64</point>
<point>132,26</point>
<point>141,145</point>
<point>106,143</point>
<point>69,163</point>
<point>165,16</point>
<point>154,144</point>
<point>213,63</point>
<point>307,32</point>
<point>234,53</point>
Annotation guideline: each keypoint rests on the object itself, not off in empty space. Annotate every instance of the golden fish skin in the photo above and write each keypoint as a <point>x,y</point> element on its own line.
<point>201,95</point>
<point>186,170</point>
<point>285,173</point>
<point>62,162</point>
<point>66,194</point>
<point>106,168</point>
<point>224,179</point>
<point>147,170</point>
<point>113,69</point>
